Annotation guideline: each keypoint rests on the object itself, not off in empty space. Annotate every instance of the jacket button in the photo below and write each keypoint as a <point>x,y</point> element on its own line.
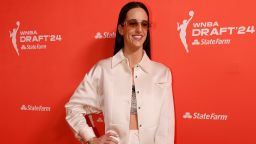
<point>138,92</point>
<point>140,125</point>
<point>138,107</point>
<point>136,76</point>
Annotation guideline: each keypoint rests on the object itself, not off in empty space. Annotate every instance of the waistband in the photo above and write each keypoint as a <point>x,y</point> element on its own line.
<point>134,132</point>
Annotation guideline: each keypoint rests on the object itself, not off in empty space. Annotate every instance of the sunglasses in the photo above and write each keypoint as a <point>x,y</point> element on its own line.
<point>133,23</point>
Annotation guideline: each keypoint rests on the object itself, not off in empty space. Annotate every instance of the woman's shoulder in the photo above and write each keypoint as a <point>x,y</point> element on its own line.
<point>99,67</point>
<point>103,63</point>
<point>159,66</point>
<point>161,70</point>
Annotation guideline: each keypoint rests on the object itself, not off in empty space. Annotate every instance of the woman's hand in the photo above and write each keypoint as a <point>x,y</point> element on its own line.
<point>111,137</point>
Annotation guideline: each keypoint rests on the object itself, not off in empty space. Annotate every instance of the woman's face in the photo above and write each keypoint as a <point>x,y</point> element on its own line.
<point>134,29</point>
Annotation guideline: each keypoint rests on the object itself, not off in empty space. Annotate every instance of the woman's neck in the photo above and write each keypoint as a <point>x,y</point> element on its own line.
<point>133,55</point>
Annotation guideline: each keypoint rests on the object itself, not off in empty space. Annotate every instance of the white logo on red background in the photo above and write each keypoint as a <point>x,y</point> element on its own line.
<point>182,28</point>
<point>31,39</point>
<point>210,32</point>
<point>98,35</point>
<point>13,36</point>
<point>35,108</point>
<point>205,116</point>
<point>187,115</point>
<point>105,35</point>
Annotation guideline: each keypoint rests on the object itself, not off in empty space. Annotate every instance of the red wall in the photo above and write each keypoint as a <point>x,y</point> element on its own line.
<point>213,84</point>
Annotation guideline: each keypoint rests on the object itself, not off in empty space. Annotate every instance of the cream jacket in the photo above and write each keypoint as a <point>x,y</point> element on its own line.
<point>107,88</point>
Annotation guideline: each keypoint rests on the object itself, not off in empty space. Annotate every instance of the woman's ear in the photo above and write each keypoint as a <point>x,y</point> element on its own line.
<point>120,30</point>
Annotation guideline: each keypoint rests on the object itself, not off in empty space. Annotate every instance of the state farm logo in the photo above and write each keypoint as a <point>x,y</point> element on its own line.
<point>187,115</point>
<point>105,35</point>
<point>39,108</point>
<point>31,39</point>
<point>205,116</point>
<point>209,32</point>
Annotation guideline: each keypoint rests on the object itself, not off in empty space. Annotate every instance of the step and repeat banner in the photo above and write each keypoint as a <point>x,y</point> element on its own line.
<point>47,46</point>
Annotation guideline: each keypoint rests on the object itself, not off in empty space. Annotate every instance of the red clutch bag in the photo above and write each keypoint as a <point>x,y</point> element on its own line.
<point>96,121</point>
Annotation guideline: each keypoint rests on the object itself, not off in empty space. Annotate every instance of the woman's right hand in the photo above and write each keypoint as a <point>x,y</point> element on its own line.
<point>111,137</point>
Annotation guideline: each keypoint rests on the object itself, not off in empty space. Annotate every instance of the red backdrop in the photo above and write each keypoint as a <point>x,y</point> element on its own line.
<point>47,46</point>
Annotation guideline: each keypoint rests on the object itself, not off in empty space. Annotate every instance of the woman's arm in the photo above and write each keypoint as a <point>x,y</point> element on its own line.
<point>85,100</point>
<point>166,129</point>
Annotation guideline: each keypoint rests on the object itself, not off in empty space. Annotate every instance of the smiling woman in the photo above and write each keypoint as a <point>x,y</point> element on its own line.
<point>134,29</point>
<point>133,92</point>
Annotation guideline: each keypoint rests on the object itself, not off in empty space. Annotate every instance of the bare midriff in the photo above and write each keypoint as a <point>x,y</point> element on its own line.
<point>133,122</point>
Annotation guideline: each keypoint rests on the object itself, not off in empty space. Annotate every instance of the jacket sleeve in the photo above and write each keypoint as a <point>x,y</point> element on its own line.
<point>166,128</point>
<point>85,100</point>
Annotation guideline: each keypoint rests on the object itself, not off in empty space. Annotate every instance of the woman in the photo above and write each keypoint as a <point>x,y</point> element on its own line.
<point>133,92</point>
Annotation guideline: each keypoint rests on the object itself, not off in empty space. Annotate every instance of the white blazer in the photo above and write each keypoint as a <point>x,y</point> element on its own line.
<point>107,88</point>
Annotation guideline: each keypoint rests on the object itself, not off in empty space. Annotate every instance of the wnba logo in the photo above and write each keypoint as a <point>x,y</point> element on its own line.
<point>210,32</point>
<point>31,39</point>
<point>182,28</point>
<point>13,36</point>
